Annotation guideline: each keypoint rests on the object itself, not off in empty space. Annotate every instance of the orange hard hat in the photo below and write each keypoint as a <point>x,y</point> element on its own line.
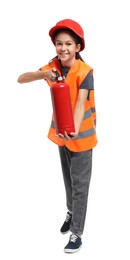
<point>72,25</point>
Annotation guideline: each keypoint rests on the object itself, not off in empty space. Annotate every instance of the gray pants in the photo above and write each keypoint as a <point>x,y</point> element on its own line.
<point>76,168</point>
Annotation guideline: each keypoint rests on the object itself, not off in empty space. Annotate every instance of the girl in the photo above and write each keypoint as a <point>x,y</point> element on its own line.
<point>75,150</point>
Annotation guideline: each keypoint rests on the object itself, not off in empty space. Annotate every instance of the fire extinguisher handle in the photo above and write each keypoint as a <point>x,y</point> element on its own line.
<point>58,76</point>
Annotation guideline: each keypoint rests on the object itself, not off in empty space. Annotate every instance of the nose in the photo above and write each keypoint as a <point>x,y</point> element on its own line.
<point>63,47</point>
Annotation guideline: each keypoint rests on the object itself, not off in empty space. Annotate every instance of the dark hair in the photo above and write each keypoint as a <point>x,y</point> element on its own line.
<point>77,39</point>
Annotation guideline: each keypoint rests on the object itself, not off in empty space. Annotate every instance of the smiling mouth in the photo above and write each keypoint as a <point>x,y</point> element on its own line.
<point>63,54</point>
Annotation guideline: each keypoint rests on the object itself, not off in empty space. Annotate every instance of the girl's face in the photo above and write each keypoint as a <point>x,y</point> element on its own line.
<point>66,48</point>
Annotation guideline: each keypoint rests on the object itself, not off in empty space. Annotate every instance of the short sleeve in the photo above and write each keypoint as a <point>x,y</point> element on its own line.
<point>88,82</point>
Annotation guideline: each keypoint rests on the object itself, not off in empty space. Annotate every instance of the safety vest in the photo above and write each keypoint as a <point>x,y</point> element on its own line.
<point>86,138</point>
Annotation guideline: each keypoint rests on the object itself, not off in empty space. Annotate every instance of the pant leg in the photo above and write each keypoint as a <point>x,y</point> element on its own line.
<point>81,166</point>
<point>65,164</point>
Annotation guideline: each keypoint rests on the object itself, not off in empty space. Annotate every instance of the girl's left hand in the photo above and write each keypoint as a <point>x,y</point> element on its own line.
<point>67,137</point>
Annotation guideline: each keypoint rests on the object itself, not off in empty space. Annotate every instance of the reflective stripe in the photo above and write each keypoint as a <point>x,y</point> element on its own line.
<point>87,114</point>
<point>85,134</point>
<point>93,109</point>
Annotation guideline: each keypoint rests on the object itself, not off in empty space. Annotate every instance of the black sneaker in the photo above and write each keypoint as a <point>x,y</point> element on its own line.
<point>66,225</point>
<point>74,244</point>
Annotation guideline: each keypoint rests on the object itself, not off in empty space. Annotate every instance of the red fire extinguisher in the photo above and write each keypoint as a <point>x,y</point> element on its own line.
<point>62,109</point>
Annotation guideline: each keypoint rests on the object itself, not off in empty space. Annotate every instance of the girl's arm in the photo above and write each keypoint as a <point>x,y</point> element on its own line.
<point>79,109</point>
<point>37,75</point>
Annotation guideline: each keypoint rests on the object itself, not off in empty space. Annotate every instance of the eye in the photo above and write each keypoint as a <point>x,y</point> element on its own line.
<point>68,43</point>
<point>58,44</point>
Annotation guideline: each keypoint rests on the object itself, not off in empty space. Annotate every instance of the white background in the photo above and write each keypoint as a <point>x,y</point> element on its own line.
<point>32,196</point>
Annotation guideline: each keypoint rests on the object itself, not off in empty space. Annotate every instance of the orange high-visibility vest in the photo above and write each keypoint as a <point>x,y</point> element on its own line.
<point>86,138</point>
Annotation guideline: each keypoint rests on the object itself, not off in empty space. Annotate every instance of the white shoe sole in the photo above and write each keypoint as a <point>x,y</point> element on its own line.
<point>68,250</point>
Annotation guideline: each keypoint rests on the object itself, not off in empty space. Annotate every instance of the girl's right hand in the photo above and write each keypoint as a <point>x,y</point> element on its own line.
<point>51,75</point>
